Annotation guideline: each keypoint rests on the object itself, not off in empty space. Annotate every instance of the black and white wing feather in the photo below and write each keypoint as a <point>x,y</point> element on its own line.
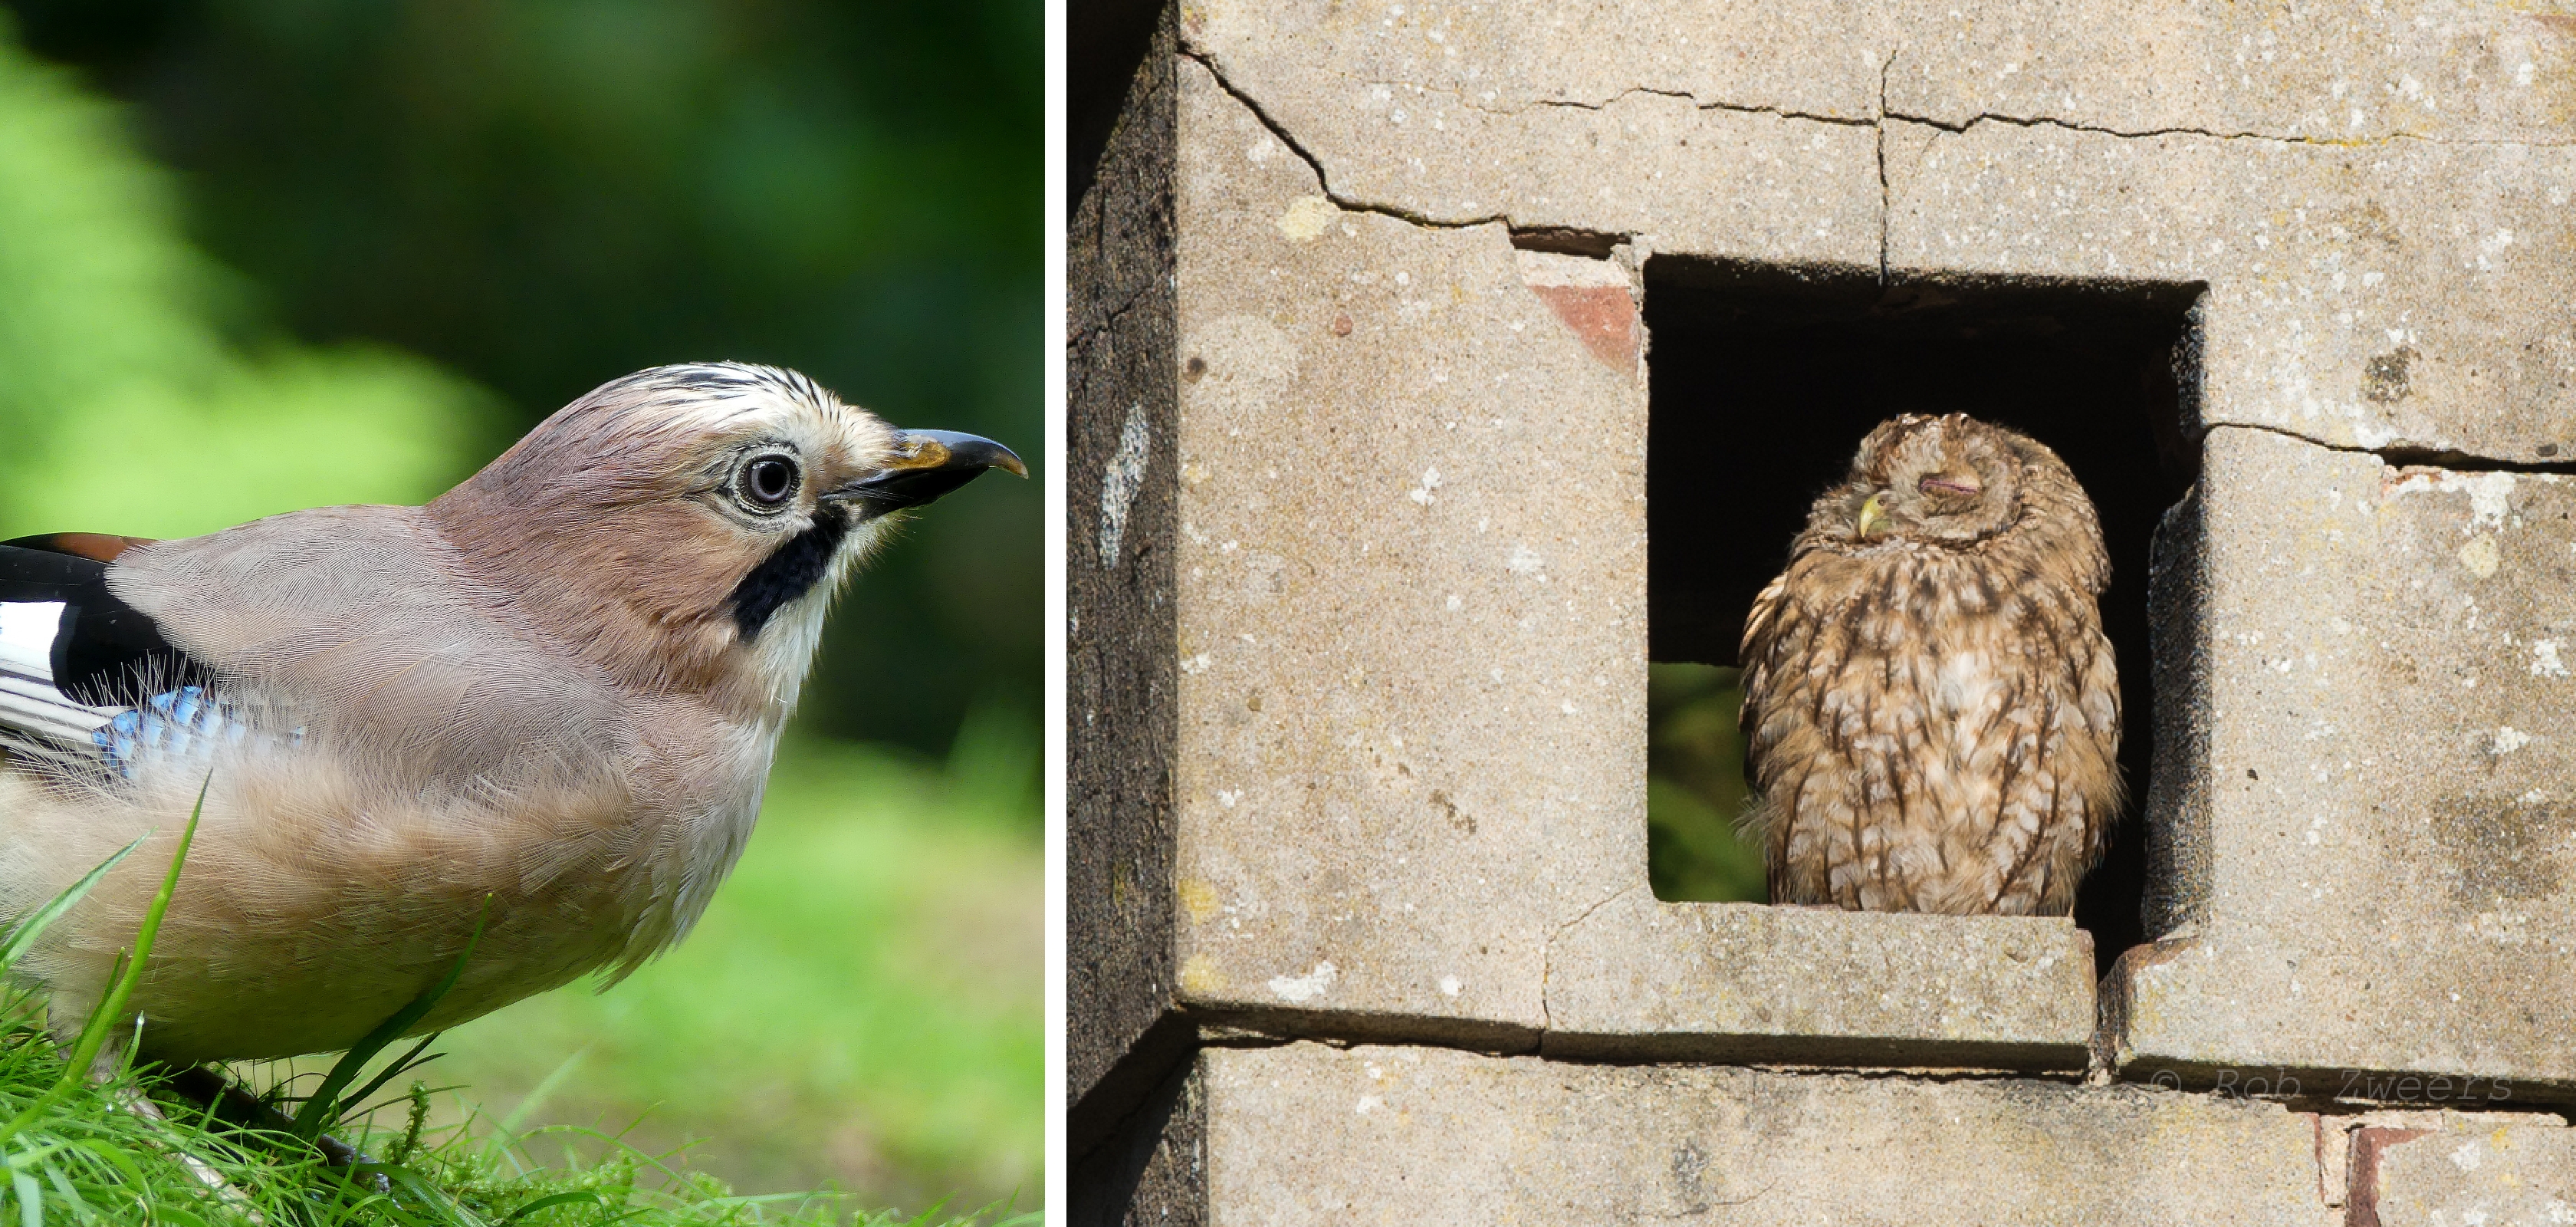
<point>83,674</point>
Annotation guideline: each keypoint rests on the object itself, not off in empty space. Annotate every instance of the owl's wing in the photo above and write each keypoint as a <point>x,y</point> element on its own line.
<point>1761,625</point>
<point>1777,629</point>
<point>2097,698</point>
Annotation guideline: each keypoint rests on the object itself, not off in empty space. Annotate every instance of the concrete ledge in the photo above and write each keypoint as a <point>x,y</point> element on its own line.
<point>1309,1134</point>
<point>2476,1172</point>
<point>1642,979</point>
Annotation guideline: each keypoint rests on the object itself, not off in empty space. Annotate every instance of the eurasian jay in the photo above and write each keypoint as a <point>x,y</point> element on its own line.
<point>558,685</point>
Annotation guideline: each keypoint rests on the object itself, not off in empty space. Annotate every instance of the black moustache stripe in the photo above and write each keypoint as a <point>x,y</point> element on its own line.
<point>789,572</point>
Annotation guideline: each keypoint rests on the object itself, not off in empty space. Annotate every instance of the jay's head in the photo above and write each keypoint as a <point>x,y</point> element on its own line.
<point>685,527</point>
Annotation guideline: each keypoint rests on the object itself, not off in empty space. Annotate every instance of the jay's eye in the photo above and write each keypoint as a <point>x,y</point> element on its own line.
<point>767,482</point>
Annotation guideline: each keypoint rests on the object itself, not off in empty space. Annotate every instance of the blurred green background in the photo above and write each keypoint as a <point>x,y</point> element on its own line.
<point>258,255</point>
<point>1695,787</point>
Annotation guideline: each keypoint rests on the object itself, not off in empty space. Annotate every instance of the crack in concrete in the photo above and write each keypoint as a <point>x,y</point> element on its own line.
<point>1697,102</point>
<point>1883,114</point>
<point>1323,181</point>
<point>2369,142</point>
<point>1342,200</point>
<point>2400,456</point>
<point>1886,201</point>
<point>1879,126</point>
<point>1547,957</point>
<point>1878,123</point>
<point>1108,320</point>
<point>1943,1074</point>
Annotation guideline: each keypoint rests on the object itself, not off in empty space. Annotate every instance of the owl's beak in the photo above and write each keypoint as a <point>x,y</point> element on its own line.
<point>1872,520</point>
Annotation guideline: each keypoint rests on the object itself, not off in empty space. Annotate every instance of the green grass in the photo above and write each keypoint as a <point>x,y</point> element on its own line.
<point>860,1007</point>
<point>89,1157</point>
<point>858,1011</point>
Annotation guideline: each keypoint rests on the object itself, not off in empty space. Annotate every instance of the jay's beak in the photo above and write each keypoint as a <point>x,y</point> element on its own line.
<point>927,464</point>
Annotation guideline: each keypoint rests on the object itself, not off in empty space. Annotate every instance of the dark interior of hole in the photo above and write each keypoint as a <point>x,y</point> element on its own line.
<point>1764,380</point>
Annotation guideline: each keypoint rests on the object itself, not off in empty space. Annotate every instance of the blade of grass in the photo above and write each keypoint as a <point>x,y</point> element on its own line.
<point>102,1020</point>
<point>25,1157</point>
<point>70,1195</point>
<point>323,1105</point>
<point>382,1104</point>
<point>390,1072</point>
<point>27,931</point>
<point>552,1200</point>
<point>31,1198</point>
<point>116,1158</point>
<point>404,1177</point>
<point>544,1090</point>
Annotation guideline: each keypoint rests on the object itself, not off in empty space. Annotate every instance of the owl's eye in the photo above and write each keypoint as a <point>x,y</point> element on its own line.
<point>767,482</point>
<point>1938,484</point>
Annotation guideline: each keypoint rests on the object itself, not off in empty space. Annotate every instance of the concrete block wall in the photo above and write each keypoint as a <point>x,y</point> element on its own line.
<point>1310,1133</point>
<point>1360,395</point>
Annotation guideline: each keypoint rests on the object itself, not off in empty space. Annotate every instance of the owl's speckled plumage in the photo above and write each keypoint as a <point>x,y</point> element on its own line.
<point>1931,710</point>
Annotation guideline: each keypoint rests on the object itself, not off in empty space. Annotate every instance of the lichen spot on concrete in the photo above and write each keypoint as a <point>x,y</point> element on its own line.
<point>1199,975</point>
<point>2544,659</point>
<point>1198,899</point>
<point>2489,493</point>
<point>1424,493</point>
<point>1121,479</point>
<point>1306,218</point>
<point>1298,990</point>
<point>2480,555</point>
<point>2467,1158</point>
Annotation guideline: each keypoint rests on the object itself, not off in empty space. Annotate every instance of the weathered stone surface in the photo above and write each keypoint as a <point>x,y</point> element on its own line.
<point>1642,979</point>
<point>1358,697</point>
<point>2383,825</point>
<point>1122,391</point>
<point>2379,202</point>
<point>2391,295</point>
<point>1794,57</point>
<point>1308,1134</point>
<point>2486,1173</point>
<point>2463,72</point>
<point>1410,624</point>
<point>1411,643</point>
<point>1446,121</point>
<point>1151,1170</point>
<point>2341,72</point>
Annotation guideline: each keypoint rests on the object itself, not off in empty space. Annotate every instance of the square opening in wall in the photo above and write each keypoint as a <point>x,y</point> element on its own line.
<point>1763,382</point>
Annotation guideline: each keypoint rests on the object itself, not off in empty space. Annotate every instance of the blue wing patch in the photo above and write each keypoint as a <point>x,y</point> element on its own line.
<point>183,723</point>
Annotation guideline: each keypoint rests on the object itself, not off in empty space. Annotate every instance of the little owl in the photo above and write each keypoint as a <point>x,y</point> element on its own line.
<point>1931,714</point>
